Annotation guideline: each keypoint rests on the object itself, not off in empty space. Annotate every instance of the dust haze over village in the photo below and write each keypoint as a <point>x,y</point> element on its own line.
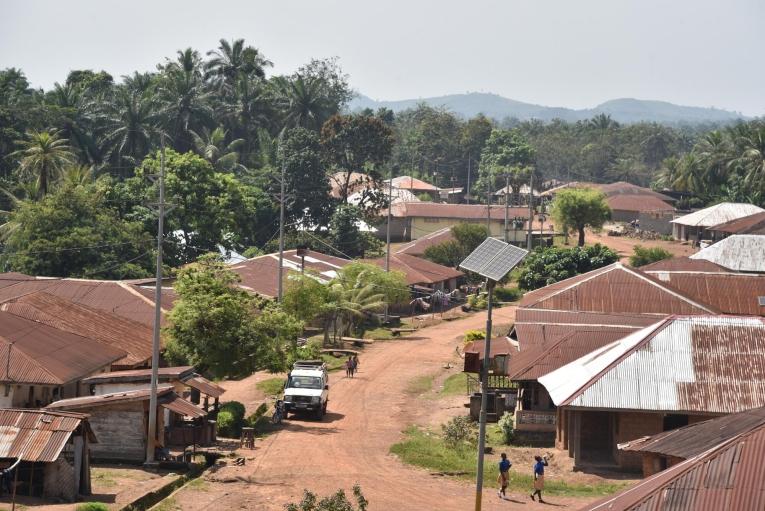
<point>330,256</point>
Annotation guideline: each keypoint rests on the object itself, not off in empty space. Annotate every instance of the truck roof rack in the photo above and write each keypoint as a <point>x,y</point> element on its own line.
<point>309,364</point>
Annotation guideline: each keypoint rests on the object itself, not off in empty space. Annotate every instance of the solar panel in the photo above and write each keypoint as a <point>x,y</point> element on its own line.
<point>507,259</point>
<point>482,255</point>
<point>493,259</point>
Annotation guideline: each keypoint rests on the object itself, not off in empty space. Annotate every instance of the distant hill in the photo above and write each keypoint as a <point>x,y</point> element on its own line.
<point>625,110</point>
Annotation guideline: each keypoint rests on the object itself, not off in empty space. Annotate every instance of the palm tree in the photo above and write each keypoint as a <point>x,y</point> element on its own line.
<point>183,99</point>
<point>212,146</point>
<point>668,173</point>
<point>303,101</point>
<point>714,152</point>
<point>602,123</point>
<point>350,301</point>
<point>233,60</point>
<point>76,175</point>
<point>691,175</point>
<point>751,155</point>
<point>42,157</point>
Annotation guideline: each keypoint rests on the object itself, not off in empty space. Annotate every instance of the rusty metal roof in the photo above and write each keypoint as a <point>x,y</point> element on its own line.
<point>107,328</point>
<point>38,435</point>
<point>205,386</point>
<point>752,224</point>
<point>139,375</point>
<point>705,364</point>
<point>729,293</point>
<point>124,299</point>
<point>694,439</point>
<point>452,211</point>
<point>86,402</point>
<point>683,263</point>
<point>418,270</point>
<point>718,214</point>
<point>177,404</point>
<point>261,274</point>
<point>729,476</point>
<point>412,183</point>
<point>740,252</point>
<point>535,361</point>
<point>499,346</point>
<point>615,288</point>
<point>638,203</point>
<point>418,246</point>
<point>32,352</point>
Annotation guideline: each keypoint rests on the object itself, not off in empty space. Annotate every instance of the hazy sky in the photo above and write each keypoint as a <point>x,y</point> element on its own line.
<point>573,53</point>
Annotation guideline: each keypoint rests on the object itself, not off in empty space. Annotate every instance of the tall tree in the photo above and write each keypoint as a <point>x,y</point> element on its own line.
<point>577,208</point>
<point>42,157</point>
<point>233,60</point>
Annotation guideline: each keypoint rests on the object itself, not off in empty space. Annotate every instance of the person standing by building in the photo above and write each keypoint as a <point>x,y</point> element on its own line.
<point>504,475</point>
<point>539,476</point>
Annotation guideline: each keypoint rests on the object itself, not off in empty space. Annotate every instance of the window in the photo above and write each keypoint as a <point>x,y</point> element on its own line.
<point>305,382</point>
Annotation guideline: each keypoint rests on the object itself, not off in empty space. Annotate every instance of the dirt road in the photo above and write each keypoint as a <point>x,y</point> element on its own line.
<point>624,245</point>
<point>351,445</point>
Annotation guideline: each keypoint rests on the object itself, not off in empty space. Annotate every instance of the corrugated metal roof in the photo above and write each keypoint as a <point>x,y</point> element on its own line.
<point>452,211</point>
<point>718,214</point>
<point>729,476</point>
<point>752,224</point>
<point>694,439</point>
<point>357,181</point>
<point>418,246</point>
<point>205,386</point>
<point>740,252</point>
<point>121,298</point>
<point>707,364</point>
<point>110,329</point>
<point>683,263</point>
<point>638,203</point>
<point>261,274</point>
<point>177,404</point>
<point>85,402</point>
<point>137,375</point>
<point>729,293</point>
<point>32,352</point>
<point>499,346</point>
<point>418,270</point>
<point>615,288</point>
<point>537,360</point>
<point>412,183</point>
<point>38,435</point>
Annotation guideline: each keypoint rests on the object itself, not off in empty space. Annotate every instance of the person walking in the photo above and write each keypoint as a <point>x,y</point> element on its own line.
<point>504,475</point>
<point>349,368</point>
<point>539,477</point>
<point>355,363</point>
<point>353,366</point>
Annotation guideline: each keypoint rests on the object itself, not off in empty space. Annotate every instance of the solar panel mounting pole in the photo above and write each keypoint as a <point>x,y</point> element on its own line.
<point>507,206</point>
<point>488,205</point>
<point>484,396</point>
<point>152,433</point>
<point>281,237</point>
<point>387,235</point>
<point>529,242</point>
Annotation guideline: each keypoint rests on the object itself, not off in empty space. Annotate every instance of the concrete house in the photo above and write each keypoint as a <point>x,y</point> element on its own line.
<point>739,252</point>
<point>700,224</point>
<point>682,370</point>
<point>421,272</point>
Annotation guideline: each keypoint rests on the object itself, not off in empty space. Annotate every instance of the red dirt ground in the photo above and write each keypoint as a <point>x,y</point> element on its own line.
<point>351,445</point>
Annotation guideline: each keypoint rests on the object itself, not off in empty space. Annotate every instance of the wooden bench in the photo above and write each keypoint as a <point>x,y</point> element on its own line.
<point>340,351</point>
<point>356,341</point>
<point>398,331</point>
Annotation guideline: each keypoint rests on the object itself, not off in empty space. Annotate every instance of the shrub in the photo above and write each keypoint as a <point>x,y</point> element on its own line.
<point>507,427</point>
<point>546,266</point>
<point>425,197</point>
<point>226,424</point>
<point>647,255</point>
<point>460,431</point>
<point>474,335</point>
<point>477,302</point>
<point>507,294</point>
<point>335,502</point>
<point>92,506</point>
<point>235,407</point>
<point>258,419</point>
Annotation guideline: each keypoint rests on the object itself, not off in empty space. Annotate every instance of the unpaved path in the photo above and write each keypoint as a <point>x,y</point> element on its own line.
<point>351,445</point>
<point>624,245</point>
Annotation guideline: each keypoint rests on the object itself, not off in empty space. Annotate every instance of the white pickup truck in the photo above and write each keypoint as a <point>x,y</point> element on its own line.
<point>307,388</point>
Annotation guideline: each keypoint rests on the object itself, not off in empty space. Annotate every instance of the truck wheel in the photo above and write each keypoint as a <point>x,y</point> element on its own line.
<point>320,413</point>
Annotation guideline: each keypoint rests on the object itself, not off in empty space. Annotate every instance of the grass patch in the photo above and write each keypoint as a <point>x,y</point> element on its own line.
<point>427,450</point>
<point>271,386</point>
<point>420,385</point>
<point>169,504</point>
<point>379,333</point>
<point>92,506</point>
<point>104,477</point>
<point>455,385</point>
<point>198,484</point>
<point>334,363</point>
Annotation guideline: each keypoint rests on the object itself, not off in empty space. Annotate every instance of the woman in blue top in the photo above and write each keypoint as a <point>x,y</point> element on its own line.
<point>539,476</point>
<point>504,475</point>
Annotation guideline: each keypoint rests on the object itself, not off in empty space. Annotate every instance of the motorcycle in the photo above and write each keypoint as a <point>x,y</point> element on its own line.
<point>278,415</point>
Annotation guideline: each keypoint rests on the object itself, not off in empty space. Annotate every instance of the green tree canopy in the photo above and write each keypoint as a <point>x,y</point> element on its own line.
<point>642,256</point>
<point>467,237</point>
<point>545,266</point>
<point>74,232</point>
<point>577,208</point>
<point>391,285</point>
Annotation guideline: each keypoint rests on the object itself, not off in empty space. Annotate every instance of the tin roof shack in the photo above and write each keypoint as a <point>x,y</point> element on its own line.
<point>119,420</point>
<point>52,449</point>
<point>700,224</point>
<point>421,272</point>
<point>40,363</point>
<point>185,382</point>
<point>500,388</point>
<point>728,475</point>
<point>752,224</point>
<point>679,371</point>
<point>672,447</point>
<point>740,253</point>
<point>105,327</point>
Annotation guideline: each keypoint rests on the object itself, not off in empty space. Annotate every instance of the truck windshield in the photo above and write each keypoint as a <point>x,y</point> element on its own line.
<point>304,382</point>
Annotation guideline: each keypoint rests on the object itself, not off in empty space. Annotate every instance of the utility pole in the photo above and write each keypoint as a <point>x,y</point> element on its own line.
<point>488,205</point>
<point>529,242</point>
<point>467,195</point>
<point>507,205</point>
<point>387,234</point>
<point>152,434</point>
<point>484,395</point>
<point>281,237</point>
